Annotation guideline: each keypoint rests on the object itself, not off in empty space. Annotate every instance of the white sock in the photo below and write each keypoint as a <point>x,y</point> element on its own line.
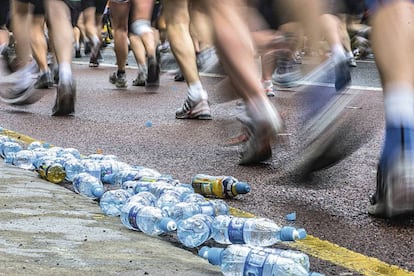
<point>196,91</point>
<point>399,105</point>
<point>95,40</point>
<point>349,54</point>
<point>338,52</point>
<point>65,72</point>
<point>267,84</point>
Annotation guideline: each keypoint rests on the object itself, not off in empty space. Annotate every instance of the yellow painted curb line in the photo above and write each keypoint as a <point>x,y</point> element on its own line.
<point>313,246</point>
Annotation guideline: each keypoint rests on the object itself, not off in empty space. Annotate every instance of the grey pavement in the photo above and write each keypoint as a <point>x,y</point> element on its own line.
<point>46,229</point>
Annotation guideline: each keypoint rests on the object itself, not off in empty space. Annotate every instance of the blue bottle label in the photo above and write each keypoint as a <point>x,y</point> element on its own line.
<point>255,262</point>
<point>132,216</point>
<point>235,230</point>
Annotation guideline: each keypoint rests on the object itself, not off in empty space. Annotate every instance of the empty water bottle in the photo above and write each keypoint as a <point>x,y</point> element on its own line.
<point>88,186</point>
<point>132,206</point>
<point>194,197</point>
<point>219,186</point>
<point>24,159</point>
<point>9,150</point>
<point>168,199</point>
<point>195,230</point>
<point>73,167</point>
<point>297,256</point>
<point>92,167</point>
<point>112,201</point>
<point>121,177</point>
<point>151,221</point>
<point>253,231</point>
<point>112,167</point>
<point>185,210</point>
<point>242,260</point>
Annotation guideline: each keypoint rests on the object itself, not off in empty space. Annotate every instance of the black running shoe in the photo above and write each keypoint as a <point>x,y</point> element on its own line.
<point>153,63</point>
<point>65,99</point>
<point>44,81</point>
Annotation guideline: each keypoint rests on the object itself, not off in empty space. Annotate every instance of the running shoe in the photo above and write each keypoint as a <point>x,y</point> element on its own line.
<point>44,81</point>
<point>153,63</point>
<point>194,110</point>
<point>87,48</point>
<point>394,194</point>
<point>119,79</point>
<point>352,62</point>
<point>262,123</point>
<point>323,134</point>
<point>179,76</point>
<point>94,58</point>
<point>141,78</point>
<point>77,52</point>
<point>65,99</point>
<point>268,88</point>
<point>18,88</point>
<point>287,73</point>
<point>206,59</point>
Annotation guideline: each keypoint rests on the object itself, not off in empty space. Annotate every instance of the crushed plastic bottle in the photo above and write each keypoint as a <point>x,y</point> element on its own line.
<point>185,210</point>
<point>88,186</point>
<point>219,186</point>
<point>151,221</point>
<point>253,231</point>
<point>112,201</point>
<point>9,150</point>
<point>195,230</point>
<point>24,159</point>
<point>242,260</point>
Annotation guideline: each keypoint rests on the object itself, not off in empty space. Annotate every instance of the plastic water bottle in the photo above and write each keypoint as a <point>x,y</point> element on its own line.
<point>51,170</point>
<point>129,186</point>
<point>9,150</point>
<point>151,221</point>
<point>194,197</point>
<point>168,199</point>
<point>242,260</point>
<point>73,167</point>
<point>24,159</point>
<point>112,201</point>
<point>163,178</point>
<point>34,145</point>
<point>130,209</point>
<point>92,167</point>
<point>219,186</point>
<point>121,177</point>
<point>297,256</point>
<point>253,231</point>
<point>88,186</point>
<point>185,210</point>
<point>195,230</point>
<point>112,167</point>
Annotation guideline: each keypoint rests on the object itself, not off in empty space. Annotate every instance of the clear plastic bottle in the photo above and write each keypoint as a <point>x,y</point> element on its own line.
<point>88,186</point>
<point>132,206</point>
<point>194,197</point>
<point>73,167</point>
<point>195,230</point>
<point>151,221</point>
<point>24,159</point>
<point>219,186</point>
<point>92,167</point>
<point>168,199</point>
<point>112,167</point>
<point>112,201</point>
<point>253,231</point>
<point>297,256</point>
<point>185,210</point>
<point>9,150</point>
<point>240,260</point>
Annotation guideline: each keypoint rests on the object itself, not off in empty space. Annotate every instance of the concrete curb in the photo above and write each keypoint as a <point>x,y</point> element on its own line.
<point>46,229</point>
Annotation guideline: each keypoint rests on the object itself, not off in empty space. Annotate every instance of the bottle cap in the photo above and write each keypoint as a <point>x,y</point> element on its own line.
<point>213,254</point>
<point>167,225</point>
<point>242,187</point>
<point>301,234</point>
<point>98,192</point>
<point>287,233</point>
<point>109,178</point>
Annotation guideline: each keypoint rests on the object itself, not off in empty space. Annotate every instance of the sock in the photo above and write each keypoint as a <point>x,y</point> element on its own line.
<point>267,84</point>
<point>196,92</point>
<point>349,54</point>
<point>65,72</point>
<point>399,119</point>
<point>338,52</point>
<point>95,40</point>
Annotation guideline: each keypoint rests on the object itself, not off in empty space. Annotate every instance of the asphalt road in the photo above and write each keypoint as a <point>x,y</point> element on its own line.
<point>332,207</point>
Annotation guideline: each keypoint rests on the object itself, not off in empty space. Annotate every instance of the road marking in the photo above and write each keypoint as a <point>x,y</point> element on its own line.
<point>327,251</point>
<point>313,246</point>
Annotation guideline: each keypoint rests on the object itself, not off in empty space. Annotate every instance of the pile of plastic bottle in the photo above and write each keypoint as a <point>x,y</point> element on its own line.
<point>152,203</point>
